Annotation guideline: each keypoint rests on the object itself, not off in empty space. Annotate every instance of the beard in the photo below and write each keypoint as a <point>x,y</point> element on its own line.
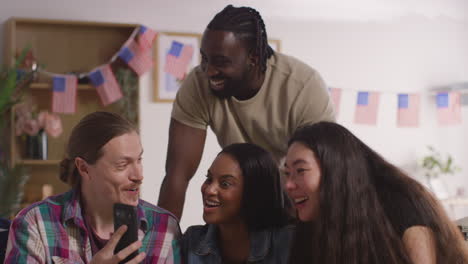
<point>231,86</point>
<point>225,93</point>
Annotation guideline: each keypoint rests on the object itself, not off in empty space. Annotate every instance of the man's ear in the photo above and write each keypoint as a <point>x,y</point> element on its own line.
<point>82,167</point>
<point>253,60</point>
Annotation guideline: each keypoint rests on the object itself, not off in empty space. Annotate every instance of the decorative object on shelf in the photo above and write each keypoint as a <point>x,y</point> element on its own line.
<point>27,122</point>
<point>35,128</point>
<point>29,65</point>
<point>435,165</point>
<point>12,180</point>
<point>36,146</point>
<point>47,190</point>
<point>129,102</point>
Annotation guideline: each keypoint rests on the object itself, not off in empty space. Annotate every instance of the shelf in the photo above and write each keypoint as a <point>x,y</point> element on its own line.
<point>39,162</point>
<point>48,86</point>
<point>63,47</point>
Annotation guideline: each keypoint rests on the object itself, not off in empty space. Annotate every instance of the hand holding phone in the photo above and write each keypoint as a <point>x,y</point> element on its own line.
<point>106,254</point>
<point>126,215</point>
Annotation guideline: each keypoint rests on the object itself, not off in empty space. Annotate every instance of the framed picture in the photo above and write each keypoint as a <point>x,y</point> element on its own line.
<point>175,55</point>
<point>275,44</point>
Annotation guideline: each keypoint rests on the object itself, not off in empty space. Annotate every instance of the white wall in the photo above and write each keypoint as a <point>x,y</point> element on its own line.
<point>403,46</point>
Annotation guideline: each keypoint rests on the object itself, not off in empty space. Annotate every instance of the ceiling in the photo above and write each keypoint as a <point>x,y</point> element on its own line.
<point>354,9</point>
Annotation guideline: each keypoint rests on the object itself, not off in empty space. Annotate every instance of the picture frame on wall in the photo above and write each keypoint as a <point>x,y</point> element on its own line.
<point>275,44</point>
<point>175,55</point>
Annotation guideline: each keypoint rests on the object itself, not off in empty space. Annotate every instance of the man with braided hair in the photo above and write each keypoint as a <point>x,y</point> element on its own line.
<point>245,92</point>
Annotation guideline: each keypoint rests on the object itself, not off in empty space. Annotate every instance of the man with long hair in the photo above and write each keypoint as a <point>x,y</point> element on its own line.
<point>103,166</point>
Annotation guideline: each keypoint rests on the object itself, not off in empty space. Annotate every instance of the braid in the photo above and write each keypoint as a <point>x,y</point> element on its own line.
<point>247,24</point>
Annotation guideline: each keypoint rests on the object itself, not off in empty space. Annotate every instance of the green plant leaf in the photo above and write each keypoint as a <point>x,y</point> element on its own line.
<point>434,164</point>
<point>11,189</point>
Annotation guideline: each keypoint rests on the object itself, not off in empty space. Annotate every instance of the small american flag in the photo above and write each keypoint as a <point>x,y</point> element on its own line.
<point>64,94</point>
<point>136,57</point>
<point>106,85</point>
<point>366,108</point>
<point>146,37</point>
<point>448,108</point>
<point>178,59</point>
<point>408,110</point>
<point>335,94</point>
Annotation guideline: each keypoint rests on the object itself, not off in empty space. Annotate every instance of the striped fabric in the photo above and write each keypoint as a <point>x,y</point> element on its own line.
<point>449,108</point>
<point>53,231</point>
<point>107,87</point>
<point>367,108</point>
<point>408,110</point>
<point>178,59</point>
<point>146,37</point>
<point>64,94</point>
<point>136,57</point>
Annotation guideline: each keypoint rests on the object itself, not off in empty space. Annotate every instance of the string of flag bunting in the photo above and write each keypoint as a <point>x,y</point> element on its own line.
<point>448,106</point>
<point>136,53</point>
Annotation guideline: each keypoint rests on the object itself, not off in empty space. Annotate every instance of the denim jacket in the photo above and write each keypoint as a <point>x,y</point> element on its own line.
<point>199,245</point>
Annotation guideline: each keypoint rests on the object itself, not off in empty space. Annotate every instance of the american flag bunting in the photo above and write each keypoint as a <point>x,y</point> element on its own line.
<point>367,108</point>
<point>106,85</point>
<point>146,37</point>
<point>408,110</point>
<point>64,94</point>
<point>136,57</point>
<point>335,94</point>
<point>448,108</point>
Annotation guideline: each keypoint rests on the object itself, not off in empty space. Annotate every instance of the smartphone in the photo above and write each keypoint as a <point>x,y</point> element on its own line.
<point>126,215</point>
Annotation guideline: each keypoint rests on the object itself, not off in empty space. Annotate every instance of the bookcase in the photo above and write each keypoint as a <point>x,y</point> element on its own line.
<point>62,47</point>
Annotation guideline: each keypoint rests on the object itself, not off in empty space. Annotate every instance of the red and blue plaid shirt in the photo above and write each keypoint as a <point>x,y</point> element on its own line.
<point>53,231</point>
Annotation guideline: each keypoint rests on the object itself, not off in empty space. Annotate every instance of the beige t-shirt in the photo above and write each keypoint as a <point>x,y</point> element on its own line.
<point>292,94</point>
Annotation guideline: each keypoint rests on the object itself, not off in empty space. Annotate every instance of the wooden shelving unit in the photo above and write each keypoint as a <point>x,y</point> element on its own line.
<point>48,86</point>
<point>38,162</point>
<point>61,47</point>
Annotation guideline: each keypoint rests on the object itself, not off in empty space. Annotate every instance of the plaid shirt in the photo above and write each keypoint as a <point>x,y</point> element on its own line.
<point>53,231</point>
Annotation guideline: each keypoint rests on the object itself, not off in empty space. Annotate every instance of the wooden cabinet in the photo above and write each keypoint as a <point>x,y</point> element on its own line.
<point>62,47</point>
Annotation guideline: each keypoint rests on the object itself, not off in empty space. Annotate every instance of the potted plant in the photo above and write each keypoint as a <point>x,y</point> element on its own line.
<point>13,80</point>
<point>435,166</point>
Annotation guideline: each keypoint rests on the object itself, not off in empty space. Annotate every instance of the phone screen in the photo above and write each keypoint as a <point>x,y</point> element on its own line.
<point>126,215</point>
